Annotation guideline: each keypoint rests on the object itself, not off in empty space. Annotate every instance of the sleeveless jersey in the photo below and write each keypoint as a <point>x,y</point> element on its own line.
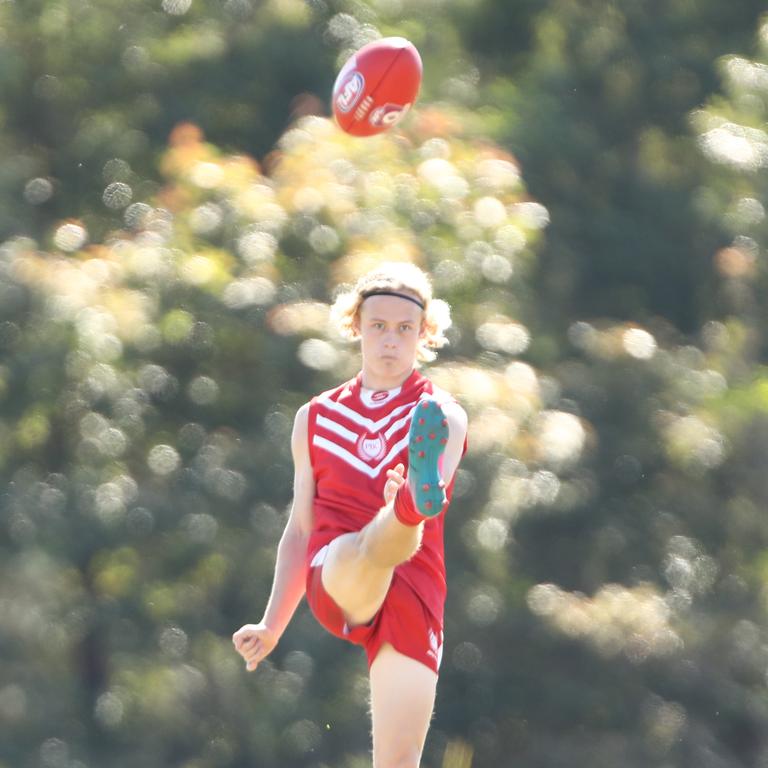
<point>354,437</point>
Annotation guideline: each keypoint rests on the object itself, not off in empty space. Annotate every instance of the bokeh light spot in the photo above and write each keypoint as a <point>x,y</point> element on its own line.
<point>109,710</point>
<point>490,212</point>
<point>508,337</point>
<point>203,390</point>
<point>163,460</point>
<point>250,291</point>
<point>256,246</point>
<point>176,7</point>
<point>38,191</point>
<point>318,354</point>
<point>492,533</point>
<point>561,436</point>
<point>639,343</point>
<point>70,236</point>
<point>467,657</point>
<point>117,195</point>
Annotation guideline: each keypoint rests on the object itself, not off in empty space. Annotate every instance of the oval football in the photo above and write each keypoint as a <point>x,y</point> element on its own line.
<point>377,86</point>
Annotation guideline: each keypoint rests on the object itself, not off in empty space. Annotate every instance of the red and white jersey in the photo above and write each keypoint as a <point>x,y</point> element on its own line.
<point>355,436</point>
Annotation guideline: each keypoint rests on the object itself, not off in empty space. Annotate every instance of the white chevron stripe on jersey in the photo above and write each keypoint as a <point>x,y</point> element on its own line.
<point>348,434</point>
<point>340,430</point>
<point>353,461</point>
<point>369,424</point>
<point>399,423</point>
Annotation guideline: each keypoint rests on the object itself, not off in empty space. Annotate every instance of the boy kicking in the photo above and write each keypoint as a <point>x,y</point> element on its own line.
<point>374,461</point>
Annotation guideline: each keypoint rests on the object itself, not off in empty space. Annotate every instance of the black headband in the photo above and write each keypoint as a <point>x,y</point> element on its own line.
<point>405,296</point>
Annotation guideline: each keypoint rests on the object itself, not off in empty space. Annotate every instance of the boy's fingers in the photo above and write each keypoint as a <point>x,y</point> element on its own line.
<point>253,645</point>
<point>242,641</point>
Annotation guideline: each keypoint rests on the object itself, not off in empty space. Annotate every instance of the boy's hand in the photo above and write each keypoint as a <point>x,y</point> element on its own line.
<point>395,478</point>
<point>254,642</point>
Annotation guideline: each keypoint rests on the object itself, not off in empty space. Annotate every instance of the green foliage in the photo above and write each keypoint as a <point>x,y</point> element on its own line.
<point>598,114</point>
<point>93,89</point>
<point>164,310</point>
<point>151,462</point>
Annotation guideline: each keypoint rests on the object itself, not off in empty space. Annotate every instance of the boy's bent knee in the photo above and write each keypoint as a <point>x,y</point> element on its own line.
<point>354,584</point>
<point>390,549</point>
<point>349,559</point>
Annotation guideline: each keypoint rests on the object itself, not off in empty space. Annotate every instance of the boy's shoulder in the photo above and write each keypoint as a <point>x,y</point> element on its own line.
<point>442,396</point>
<point>340,392</point>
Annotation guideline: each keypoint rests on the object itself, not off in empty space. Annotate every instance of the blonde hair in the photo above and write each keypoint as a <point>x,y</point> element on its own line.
<point>396,276</point>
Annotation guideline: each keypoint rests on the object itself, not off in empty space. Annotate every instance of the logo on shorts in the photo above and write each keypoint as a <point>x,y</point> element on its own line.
<point>350,91</point>
<point>372,447</point>
<point>435,646</point>
<point>388,114</point>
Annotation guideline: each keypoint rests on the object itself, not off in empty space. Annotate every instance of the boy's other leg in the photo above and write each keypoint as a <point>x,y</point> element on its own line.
<point>402,700</point>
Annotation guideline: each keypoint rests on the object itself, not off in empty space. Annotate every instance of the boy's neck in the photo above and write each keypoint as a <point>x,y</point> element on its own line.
<point>378,384</point>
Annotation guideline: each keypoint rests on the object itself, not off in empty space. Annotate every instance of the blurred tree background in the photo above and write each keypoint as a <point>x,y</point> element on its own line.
<point>586,183</point>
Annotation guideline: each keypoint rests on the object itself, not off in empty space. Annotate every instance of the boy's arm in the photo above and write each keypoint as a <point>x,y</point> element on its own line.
<point>255,641</point>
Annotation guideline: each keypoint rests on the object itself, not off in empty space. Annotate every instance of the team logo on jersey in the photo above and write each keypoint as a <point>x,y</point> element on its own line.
<point>382,394</point>
<point>350,91</point>
<point>371,447</point>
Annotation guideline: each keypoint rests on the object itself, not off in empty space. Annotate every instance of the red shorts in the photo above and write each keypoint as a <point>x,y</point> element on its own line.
<point>403,620</point>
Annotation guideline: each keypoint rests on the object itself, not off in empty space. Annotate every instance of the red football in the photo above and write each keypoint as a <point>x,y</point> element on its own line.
<point>377,86</point>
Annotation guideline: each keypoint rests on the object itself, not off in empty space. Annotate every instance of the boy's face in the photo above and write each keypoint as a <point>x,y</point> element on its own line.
<point>390,329</point>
